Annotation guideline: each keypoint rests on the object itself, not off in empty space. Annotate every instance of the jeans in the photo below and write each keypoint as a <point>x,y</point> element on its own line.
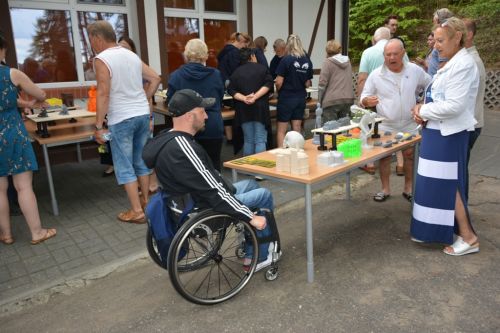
<point>127,142</point>
<point>253,196</point>
<point>255,137</point>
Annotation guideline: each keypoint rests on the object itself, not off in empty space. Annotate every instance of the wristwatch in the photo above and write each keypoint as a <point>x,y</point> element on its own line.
<point>98,128</point>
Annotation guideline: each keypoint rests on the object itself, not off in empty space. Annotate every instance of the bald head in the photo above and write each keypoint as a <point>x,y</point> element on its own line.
<point>394,52</point>
<point>395,43</point>
<point>381,33</point>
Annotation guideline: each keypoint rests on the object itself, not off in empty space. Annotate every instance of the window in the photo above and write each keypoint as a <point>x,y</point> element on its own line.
<point>50,38</point>
<point>217,33</point>
<point>179,4</point>
<point>177,33</point>
<point>184,20</point>
<point>226,6</point>
<point>106,2</point>
<point>44,44</point>
<point>119,23</point>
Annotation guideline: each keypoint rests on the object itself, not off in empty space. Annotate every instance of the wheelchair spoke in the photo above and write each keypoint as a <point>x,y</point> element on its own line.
<point>208,273</point>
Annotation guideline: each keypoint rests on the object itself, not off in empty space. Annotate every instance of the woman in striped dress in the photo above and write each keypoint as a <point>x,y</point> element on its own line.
<point>440,207</point>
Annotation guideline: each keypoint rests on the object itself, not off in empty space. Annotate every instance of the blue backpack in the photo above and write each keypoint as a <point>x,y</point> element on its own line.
<point>163,225</point>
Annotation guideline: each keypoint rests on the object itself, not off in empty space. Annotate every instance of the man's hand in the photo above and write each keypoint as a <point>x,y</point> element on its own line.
<point>258,222</point>
<point>98,136</point>
<point>370,101</point>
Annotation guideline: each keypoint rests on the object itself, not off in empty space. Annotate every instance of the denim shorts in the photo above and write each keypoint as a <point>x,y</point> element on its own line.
<point>290,109</point>
<point>128,138</point>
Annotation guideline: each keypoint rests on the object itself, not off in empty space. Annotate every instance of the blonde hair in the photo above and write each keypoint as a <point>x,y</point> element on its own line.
<point>240,37</point>
<point>452,26</point>
<point>102,29</point>
<point>294,46</point>
<point>196,51</point>
<point>333,47</point>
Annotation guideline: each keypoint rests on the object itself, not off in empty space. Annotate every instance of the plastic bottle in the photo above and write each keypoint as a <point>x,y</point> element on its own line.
<point>92,101</point>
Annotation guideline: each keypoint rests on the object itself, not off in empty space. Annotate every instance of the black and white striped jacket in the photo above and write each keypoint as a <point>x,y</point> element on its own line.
<point>182,166</point>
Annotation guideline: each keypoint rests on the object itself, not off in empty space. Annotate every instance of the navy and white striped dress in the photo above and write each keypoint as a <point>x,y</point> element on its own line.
<point>442,168</point>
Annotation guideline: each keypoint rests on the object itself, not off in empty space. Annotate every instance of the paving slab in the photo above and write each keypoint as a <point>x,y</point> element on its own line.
<point>90,237</point>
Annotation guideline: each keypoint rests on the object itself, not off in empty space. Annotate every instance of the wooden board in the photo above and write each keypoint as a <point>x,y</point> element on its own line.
<point>343,128</point>
<point>53,116</point>
<point>83,129</point>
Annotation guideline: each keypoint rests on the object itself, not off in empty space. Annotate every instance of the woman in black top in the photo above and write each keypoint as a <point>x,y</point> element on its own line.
<point>250,85</point>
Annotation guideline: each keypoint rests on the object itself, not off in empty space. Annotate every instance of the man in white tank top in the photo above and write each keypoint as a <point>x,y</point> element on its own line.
<point>120,95</point>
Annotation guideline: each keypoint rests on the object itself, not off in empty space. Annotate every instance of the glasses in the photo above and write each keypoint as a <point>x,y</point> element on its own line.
<point>444,24</point>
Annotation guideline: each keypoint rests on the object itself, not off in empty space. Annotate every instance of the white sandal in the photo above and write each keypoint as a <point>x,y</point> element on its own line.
<point>461,247</point>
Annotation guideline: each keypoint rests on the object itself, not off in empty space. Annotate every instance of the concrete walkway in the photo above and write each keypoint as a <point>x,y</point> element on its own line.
<point>91,241</point>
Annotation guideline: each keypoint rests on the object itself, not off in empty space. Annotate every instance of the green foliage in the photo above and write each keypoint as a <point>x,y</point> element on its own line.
<point>415,22</point>
<point>368,15</point>
<point>486,13</point>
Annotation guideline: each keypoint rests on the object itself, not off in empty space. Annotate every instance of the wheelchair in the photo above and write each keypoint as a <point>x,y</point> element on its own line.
<point>207,262</point>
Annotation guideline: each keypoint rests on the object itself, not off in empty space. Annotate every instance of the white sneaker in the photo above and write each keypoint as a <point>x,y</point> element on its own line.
<point>269,259</point>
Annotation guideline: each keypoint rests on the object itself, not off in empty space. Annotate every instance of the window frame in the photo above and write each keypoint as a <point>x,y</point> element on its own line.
<point>73,7</point>
<point>199,13</point>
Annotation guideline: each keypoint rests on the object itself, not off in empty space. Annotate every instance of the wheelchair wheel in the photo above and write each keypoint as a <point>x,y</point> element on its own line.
<point>202,263</point>
<point>152,249</point>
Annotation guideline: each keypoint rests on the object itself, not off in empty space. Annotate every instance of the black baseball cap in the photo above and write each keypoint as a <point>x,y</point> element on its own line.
<point>186,100</point>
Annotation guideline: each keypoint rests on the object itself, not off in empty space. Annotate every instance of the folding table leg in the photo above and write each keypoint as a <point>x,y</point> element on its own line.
<point>55,208</point>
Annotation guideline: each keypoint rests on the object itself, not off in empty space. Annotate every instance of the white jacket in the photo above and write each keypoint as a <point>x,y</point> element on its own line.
<point>454,90</point>
<point>396,102</point>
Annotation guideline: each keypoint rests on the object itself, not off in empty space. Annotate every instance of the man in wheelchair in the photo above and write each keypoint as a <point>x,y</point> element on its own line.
<point>183,167</point>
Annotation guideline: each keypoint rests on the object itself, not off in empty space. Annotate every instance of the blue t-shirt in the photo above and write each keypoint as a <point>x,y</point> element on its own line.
<point>295,71</point>
<point>274,66</point>
<point>434,60</point>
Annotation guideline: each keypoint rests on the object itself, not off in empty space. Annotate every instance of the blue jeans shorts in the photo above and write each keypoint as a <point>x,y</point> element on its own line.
<point>290,109</point>
<point>127,142</point>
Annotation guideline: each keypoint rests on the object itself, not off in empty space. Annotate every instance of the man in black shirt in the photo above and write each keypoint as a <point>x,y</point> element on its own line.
<point>183,166</point>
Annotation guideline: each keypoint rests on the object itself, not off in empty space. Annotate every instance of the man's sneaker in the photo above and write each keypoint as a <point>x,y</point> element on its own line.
<point>268,261</point>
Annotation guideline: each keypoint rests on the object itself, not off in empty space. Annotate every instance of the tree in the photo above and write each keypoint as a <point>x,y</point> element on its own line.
<point>368,15</point>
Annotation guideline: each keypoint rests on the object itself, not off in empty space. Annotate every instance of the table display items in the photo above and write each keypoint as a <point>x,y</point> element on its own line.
<point>366,124</point>
<point>318,123</point>
<point>344,126</point>
<point>292,158</point>
<point>330,158</point>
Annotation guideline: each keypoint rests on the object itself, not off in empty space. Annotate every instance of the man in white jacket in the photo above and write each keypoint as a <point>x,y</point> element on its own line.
<point>393,89</point>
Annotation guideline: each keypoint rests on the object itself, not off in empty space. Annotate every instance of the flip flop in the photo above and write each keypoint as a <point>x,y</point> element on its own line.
<point>461,247</point>
<point>7,240</point>
<point>407,196</point>
<point>48,234</point>
<point>381,197</point>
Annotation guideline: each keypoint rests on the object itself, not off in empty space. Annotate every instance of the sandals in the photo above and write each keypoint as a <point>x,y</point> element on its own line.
<point>368,169</point>
<point>130,216</point>
<point>7,240</point>
<point>407,196</point>
<point>381,197</point>
<point>461,247</point>
<point>48,234</point>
